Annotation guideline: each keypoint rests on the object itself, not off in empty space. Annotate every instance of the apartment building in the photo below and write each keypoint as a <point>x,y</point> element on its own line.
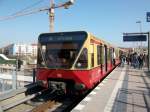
<point>20,50</point>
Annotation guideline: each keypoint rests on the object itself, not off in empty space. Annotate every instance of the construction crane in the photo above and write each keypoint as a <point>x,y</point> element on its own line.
<point>50,10</point>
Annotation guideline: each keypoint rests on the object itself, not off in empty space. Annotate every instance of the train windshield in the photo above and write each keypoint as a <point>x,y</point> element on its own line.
<point>59,51</point>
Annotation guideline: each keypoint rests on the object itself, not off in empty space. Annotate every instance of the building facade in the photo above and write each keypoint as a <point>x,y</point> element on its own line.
<point>20,50</point>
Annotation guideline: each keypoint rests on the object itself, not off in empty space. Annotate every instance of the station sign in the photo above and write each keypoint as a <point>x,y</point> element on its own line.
<point>132,38</point>
<point>148,16</point>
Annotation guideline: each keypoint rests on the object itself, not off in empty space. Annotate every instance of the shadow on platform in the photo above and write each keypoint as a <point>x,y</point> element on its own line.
<point>134,95</point>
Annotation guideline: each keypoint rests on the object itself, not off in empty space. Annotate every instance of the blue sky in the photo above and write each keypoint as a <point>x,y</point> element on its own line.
<point>106,19</point>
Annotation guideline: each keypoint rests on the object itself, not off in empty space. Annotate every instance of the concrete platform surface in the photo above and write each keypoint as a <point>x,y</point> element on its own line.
<point>124,90</point>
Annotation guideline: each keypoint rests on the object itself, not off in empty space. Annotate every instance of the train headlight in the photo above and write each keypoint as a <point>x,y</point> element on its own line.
<point>43,83</point>
<point>79,86</point>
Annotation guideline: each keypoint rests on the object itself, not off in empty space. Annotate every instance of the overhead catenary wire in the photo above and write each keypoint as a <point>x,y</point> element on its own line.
<point>28,11</point>
<point>28,7</point>
<point>25,11</point>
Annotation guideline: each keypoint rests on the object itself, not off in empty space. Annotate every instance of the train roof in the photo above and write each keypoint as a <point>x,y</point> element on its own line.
<point>65,32</point>
<point>82,32</point>
<point>102,41</point>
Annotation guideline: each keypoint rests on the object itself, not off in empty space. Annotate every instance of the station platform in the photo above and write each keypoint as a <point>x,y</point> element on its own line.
<point>125,89</point>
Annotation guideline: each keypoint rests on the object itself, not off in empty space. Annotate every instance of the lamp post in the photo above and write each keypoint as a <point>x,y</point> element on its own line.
<point>140,26</point>
<point>52,8</point>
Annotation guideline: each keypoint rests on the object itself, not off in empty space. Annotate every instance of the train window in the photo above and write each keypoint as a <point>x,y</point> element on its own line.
<point>92,60</point>
<point>60,55</point>
<point>105,57</point>
<point>82,60</point>
<point>108,54</point>
<point>92,54</point>
<point>43,48</point>
<point>101,54</point>
<point>63,46</point>
<point>112,54</point>
<point>117,52</point>
<point>41,56</point>
<point>63,58</point>
<point>98,54</point>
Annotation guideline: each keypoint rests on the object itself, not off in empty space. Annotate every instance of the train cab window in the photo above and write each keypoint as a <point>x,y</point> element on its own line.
<point>60,55</point>
<point>41,56</point>
<point>82,60</point>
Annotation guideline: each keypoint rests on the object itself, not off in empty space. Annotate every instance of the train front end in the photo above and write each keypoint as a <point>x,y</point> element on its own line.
<point>62,61</point>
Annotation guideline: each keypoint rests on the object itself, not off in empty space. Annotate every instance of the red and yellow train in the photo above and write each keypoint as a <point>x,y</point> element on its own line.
<point>74,61</point>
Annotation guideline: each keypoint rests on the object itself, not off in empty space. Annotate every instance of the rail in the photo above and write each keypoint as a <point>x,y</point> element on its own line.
<point>16,97</point>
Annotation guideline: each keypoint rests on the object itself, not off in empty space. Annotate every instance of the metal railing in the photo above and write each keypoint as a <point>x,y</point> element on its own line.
<point>11,78</point>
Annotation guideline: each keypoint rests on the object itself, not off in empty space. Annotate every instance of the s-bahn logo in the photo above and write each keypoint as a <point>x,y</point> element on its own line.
<point>59,75</point>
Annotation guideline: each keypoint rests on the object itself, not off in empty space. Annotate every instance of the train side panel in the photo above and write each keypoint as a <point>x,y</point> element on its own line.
<point>87,73</point>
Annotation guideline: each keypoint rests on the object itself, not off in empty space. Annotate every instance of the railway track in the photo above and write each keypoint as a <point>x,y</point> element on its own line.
<point>59,104</point>
<point>13,98</point>
<point>42,103</point>
<point>33,104</point>
<point>34,98</point>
